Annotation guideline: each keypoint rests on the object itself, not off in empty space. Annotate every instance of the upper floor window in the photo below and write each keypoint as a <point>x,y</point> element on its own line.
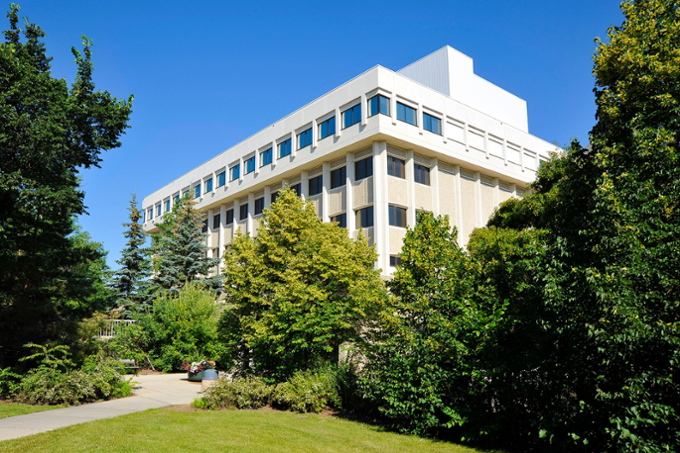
<point>340,219</point>
<point>143,216</point>
<point>379,104</point>
<point>432,123</point>
<point>351,116</point>
<point>297,188</point>
<point>315,186</point>
<point>216,221</point>
<point>406,114</point>
<point>397,216</point>
<point>363,169</point>
<point>208,185</point>
<point>175,200</point>
<point>243,211</point>
<point>150,211</point>
<point>327,128</point>
<point>259,206</point>
<point>266,157</point>
<point>230,217</point>
<point>197,191</point>
<point>396,167</point>
<point>167,205</point>
<point>158,210</point>
<point>421,174</point>
<point>284,148</point>
<point>249,165</point>
<point>222,179</point>
<point>205,226</point>
<point>235,172</point>
<point>338,177</point>
<point>395,261</point>
<point>274,196</point>
<point>365,217</point>
<point>304,138</point>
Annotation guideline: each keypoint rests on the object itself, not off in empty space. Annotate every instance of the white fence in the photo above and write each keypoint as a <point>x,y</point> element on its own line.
<point>113,327</point>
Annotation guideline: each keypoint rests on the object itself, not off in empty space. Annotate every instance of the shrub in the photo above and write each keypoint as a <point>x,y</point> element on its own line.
<point>243,393</point>
<point>9,382</point>
<point>308,391</point>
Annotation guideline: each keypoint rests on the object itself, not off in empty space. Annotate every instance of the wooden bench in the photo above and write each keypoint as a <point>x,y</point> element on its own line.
<point>129,364</point>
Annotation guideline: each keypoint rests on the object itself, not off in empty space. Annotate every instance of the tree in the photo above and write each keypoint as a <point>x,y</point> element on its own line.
<point>130,281</point>
<point>299,289</point>
<point>47,132</point>
<point>180,252</point>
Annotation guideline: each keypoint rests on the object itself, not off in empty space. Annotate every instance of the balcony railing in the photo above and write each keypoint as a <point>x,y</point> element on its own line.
<point>113,327</point>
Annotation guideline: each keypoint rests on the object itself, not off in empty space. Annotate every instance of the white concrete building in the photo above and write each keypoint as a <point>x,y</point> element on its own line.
<point>371,153</point>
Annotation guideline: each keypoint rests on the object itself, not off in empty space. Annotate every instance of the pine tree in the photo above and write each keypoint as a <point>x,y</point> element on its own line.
<point>130,281</point>
<point>180,252</point>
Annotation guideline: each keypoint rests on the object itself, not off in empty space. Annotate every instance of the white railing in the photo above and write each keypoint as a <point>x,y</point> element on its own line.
<point>113,327</point>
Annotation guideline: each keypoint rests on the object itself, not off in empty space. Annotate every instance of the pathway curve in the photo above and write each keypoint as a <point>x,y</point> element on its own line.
<point>152,391</point>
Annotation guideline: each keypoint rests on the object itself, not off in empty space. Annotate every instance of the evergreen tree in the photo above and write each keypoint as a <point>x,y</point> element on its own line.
<point>47,133</point>
<point>130,282</point>
<point>180,254</point>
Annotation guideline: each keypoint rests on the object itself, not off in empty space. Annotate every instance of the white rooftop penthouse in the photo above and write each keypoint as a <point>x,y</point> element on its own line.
<point>372,153</point>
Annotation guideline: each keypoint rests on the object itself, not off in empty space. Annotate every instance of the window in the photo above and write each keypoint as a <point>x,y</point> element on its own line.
<point>266,157</point>
<point>327,128</point>
<point>397,216</point>
<point>175,199</point>
<point>274,196</point>
<point>379,104</point>
<point>365,217</point>
<point>216,221</point>
<point>421,174</point>
<point>158,210</point>
<point>406,114</point>
<point>432,124</point>
<point>205,226</point>
<point>419,215</point>
<point>363,169</point>
<point>315,186</point>
<point>249,165</point>
<point>351,116</point>
<point>395,261</point>
<point>297,188</point>
<point>197,191</point>
<point>150,211</point>
<point>341,220</point>
<point>235,172</point>
<point>259,206</point>
<point>143,216</point>
<point>396,167</point>
<point>222,179</point>
<point>304,138</point>
<point>243,212</point>
<point>338,177</point>
<point>230,217</point>
<point>167,205</point>
<point>284,148</point>
<point>185,192</point>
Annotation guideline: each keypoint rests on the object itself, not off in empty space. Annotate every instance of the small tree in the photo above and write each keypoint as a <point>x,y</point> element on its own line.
<point>300,288</point>
<point>130,281</point>
<point>180,252</point>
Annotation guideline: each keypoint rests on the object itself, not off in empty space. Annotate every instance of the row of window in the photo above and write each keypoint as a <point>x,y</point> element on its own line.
<point>397,167</point>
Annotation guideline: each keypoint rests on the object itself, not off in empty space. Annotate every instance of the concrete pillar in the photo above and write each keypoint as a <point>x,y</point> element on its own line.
<point>434,183</point>
<point>381,226</point>
<point>349,195</point>
<point>411,187</point>
<point>324,193</point>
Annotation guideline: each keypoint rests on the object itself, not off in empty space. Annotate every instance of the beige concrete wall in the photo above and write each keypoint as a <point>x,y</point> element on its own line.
<point>256,225</point>
<point>317,202</point>
<point>469,204</point>
<point>423,197</point>
<point>397,191</point>
<point>488,203</point>
<point>396,240</point>
<point>363,192</point>
<point>504,196</point>
<point>214,238</point>
<point>337,201</point>
<point>448,197</point>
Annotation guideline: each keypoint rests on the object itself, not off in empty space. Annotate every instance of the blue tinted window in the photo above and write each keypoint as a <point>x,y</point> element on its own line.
<point>230,217</point>
<point>249,165</point>
<point>259,206</point>
<point>406,114</point>
<point>315,186</point>
<point>143,216</point>
<point>421,174</point>
<point>379,104</point>
<point>197,191</point>
<point>167,205</point>
<point>221,179</point>
<point>338,177</point>
<point>351,116</point>
<point>284,148</point>
<point>274,196</point>
<point>341,220</point>
<point>175,200</point>
<point>158,210</point>
<point>365,217</point>
<point>208,186</point>
<point>432,124</point>
<point>327,128</point>
<point>397,216</point>
<point>266,157</point>
<point>363,169</point>
<point>243,212</point>
<point>150,211</point>
<point>297,188</point>
<point>235,172</point>
<point>304,138</point>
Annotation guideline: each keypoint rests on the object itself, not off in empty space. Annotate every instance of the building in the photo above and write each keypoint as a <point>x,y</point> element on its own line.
<point>371,153</point>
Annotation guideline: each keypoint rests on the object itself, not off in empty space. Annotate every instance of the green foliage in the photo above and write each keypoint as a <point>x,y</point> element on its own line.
<point>249,392</point>
<point>131,281</point>
<point>48,132</point>
<point>9,382</point>
<point>181,327</point>
<point>180,252</point>
<point>308,391</point>
<point>132,342</point>
<point>299,289</point>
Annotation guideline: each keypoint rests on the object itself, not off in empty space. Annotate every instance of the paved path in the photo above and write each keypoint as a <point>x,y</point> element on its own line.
<point>151,392</point>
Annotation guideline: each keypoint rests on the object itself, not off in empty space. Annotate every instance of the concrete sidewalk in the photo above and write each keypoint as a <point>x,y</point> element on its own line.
<point>151,392</point>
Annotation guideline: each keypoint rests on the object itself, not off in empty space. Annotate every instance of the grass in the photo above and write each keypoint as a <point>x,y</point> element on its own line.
<point>12,409</point>
<point>224,431</point>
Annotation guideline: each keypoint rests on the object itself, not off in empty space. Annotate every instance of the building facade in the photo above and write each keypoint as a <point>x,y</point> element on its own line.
<point>373,152</point>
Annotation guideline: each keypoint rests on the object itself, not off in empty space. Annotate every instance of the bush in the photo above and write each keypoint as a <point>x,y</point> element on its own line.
<point>308,391</point>
<point>9,382</point>
<point>242,393</point>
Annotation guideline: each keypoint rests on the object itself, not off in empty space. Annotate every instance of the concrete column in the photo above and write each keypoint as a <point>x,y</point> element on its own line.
<point>338,123</point>
<point>304,184</point>
<point>293,144</point>
<point>241,169</point>
<point>478,199</point>
<point>208,241</point>
<point>393,108</point>
<point>466,136</point>
<point>324,193</point>
<point>411,188</point>
<point>521,157</point>
<point>349,195</point>
<point>315,134</point>
<point>381,227</point>
<point>505,151</point>
<point>459,204</point>
<point>496,192</point>
<point>267,197</point>
<point>419,118</point>
<point>220,235</point>
<point>249,219</point>
<point>236,217</point>
<point>486,144</point>
<point>444,126</point>
<point>364,109</point>
<point>275,153</point>
<point>434,183</point>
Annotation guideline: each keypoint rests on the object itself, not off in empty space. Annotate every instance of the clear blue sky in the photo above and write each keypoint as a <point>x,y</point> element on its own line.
<point>206,75</point>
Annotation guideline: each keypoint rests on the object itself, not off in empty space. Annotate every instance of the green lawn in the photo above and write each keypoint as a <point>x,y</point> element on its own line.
<point>219,431</point>
<point>12,409</point>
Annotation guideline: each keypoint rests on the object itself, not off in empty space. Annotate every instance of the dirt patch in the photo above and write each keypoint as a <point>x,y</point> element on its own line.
<point>149,373</point>
<point>183,408</point>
